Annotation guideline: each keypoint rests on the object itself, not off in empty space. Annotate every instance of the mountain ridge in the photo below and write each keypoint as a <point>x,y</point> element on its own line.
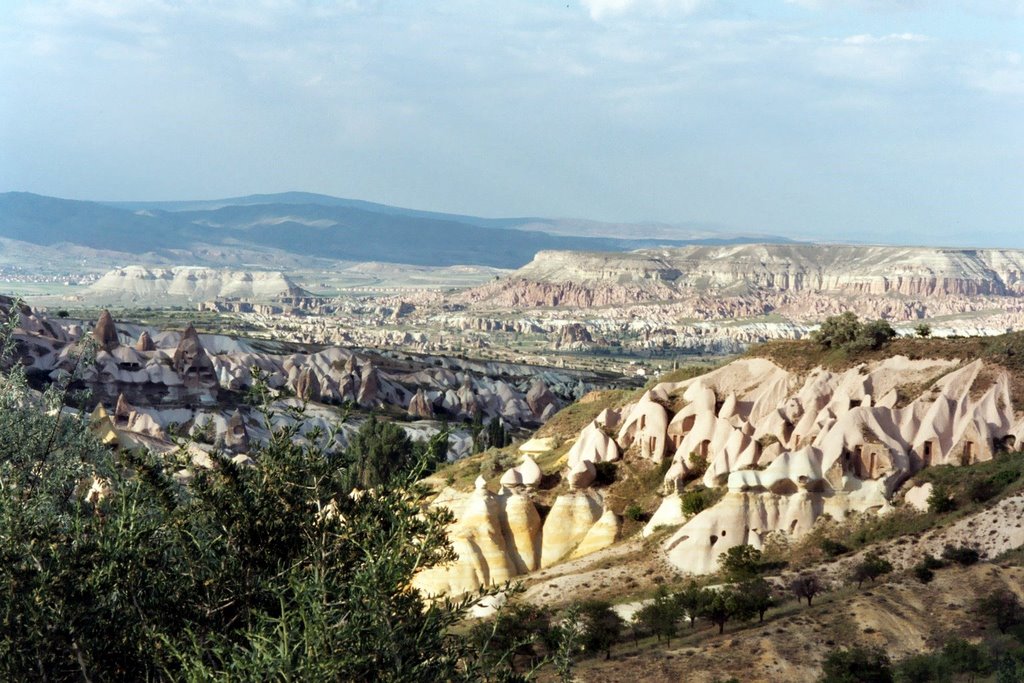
<point>331,228</point>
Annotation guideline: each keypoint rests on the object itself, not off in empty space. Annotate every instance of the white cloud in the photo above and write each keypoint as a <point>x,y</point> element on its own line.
<point>603,9</point>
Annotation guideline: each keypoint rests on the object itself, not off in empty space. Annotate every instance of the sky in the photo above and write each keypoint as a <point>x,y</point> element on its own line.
<point>896,121</point>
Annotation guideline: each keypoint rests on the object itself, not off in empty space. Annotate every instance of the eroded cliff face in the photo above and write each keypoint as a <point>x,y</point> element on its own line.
<point>500,536</point>
<point>582,279</point>
<point>184,283</point>
<point>786,447</point>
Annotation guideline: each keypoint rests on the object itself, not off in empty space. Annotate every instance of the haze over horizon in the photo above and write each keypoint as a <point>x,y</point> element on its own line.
<point>831,119</point>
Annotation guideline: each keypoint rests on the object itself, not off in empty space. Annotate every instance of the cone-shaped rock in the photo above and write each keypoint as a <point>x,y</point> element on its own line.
<point>123,411</point>
<point>145,342</point>
<point>190,357</point>
<point>420,406</point>
<point>369,388</point>
<point>105,333</point>
<point>307,387</point>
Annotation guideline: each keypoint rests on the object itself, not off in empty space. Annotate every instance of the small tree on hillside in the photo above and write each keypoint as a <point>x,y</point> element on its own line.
<point>719,606</point>
<point>661,616</point>
<point>757,596</point>
<point>806,586</point>
<point>690,602</point>
<point>602,627</point>
<point>870,568</point>
<point>1004,607</point>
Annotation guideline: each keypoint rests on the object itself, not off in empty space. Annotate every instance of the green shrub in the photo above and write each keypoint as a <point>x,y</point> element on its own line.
<point>962,555</point>
<point>832,548</point>
<point>273,572</point>
<point>941,499</point>
<point>741,562</point>
<point>857,665</point>
<point>923,573</point>
<point>870,568</point>
<point>697,499</point>
<point>635,513</point>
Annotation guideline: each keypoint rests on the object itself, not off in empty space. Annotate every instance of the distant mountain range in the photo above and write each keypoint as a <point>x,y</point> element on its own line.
<point>318,226</point>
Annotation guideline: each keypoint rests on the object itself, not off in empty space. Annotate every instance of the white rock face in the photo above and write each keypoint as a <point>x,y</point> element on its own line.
<point>134,283</point>
<point>500,536</point>
<point>917,497</point>
<point>790,448</point>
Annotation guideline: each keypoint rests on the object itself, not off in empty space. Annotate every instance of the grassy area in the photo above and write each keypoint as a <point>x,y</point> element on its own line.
<point>568,422</point>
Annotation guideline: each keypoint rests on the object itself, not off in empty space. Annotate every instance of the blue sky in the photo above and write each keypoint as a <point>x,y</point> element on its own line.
<point>898,121</point>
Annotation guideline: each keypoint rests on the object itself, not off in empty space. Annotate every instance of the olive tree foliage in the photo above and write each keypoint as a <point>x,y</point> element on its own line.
<point>847,333</point>
<point>111,570</point>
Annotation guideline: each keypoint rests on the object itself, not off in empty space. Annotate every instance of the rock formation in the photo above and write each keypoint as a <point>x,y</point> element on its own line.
<point>105,333</point>
<point>420,406</point>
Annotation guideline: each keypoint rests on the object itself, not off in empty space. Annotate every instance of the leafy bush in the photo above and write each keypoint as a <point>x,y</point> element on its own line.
<point>846,333</point>
<point>857,665</point>
<point>832,548</point>
<point>1004,607</point>
<point>941,499</point>
<point>870,568</point>
<point>962,555</point>
<point>924,571</point>
<point>741,562</point>
<point>697,499</point>
<point>634,512</point>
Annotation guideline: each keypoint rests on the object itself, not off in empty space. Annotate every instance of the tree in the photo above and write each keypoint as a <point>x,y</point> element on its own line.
<point>838,330</point>
<point>965,658</point>
<point>517,631</point>
<point>857,665</point>
<point>923,668</point>
<point>873,335</point>
<point>660,616</point>
<point>870,568</point>
<point>1004,607</point>
<point>941,499</point>
<point>923,330</point>
<point>806,586</point>
<point>602,627</point>
<point>845,332</point>
<point>756,596</point>
<point>378,451</point>
<point>741,562</point>
<point>718,606</point>
<point>690,602</point>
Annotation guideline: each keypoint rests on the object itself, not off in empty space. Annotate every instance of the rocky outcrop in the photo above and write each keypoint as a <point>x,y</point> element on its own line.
<point>105,333</point>
<point>557,278</point>
<point>420,406</point>
<point>188,284</point>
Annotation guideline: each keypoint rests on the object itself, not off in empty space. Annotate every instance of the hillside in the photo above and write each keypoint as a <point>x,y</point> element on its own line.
<point>817,460</point>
